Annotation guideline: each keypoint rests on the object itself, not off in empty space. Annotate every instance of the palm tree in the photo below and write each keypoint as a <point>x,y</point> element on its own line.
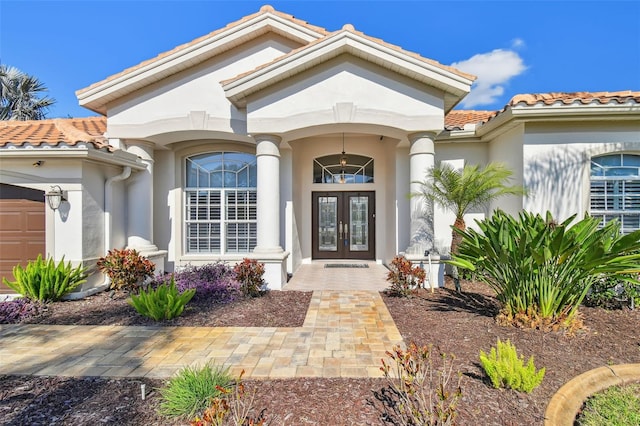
<point>461,191</point>
<point>20,96</point>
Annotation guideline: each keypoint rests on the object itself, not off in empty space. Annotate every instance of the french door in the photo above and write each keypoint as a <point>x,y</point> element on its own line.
<point>343,225</point>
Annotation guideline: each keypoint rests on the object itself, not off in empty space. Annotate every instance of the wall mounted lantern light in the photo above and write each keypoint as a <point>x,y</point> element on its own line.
<point>55,197</point>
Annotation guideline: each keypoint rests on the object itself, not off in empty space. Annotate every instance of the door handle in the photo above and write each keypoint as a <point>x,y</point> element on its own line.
<point>340,229</point>
<point>346,230</point>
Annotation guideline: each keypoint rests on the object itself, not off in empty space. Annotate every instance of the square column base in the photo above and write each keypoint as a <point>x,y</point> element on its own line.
<point>275,268</point>
<point>435,272</point>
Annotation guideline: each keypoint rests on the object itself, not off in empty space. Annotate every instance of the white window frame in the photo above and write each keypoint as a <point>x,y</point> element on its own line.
<point>615,190</point>
<point>211,207</point>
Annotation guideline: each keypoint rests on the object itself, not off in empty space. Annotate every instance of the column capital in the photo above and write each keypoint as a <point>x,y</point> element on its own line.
<point>261,137</point>
<point>267,145</point>
<point>422,143</point>
<point>425,134</point>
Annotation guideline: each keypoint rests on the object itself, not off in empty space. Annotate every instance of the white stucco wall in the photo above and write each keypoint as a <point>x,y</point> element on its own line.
<point>76,229</point>
<point>557,162</point>
<point>305,150</point>
<point>345,90</point>
<point>165,106</point>
<point>507,148</point>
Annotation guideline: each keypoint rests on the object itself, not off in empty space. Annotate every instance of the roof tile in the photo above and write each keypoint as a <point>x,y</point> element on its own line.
<point>570,98</point>
<point>351,29</point>
<point>55,132</point>
<point>457,119</point>
<point>263,10</point>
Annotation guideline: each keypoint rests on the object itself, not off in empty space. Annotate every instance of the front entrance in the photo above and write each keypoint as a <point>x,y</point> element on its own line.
<point>343,225</point>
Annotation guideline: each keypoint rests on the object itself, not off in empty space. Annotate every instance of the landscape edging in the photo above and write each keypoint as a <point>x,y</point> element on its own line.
<point>568,400</point>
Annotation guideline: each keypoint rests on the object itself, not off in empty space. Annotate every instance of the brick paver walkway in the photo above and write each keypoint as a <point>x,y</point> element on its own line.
<point>345,334</point>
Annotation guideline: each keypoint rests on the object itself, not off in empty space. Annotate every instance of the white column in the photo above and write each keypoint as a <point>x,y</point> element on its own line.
<point>268,164</point>
<point>421,159</point>
<point>140,201</point>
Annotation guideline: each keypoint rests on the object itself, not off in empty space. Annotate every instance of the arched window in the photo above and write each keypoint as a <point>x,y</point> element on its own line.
<point>328,169</point>
<point>220,206</point>
<point>615,189</point>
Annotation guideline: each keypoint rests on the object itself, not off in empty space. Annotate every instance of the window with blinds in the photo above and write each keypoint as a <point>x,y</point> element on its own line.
<point>221,203</point>
<point>615,189</point>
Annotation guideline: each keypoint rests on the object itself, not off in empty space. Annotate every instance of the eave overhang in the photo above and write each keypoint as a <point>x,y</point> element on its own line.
<point>454,86</point>
<point>515,115</point>
<point>98,95</point>
<point>81,152</point>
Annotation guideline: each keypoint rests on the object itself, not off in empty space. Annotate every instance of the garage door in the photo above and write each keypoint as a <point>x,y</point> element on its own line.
<point>22,228</point>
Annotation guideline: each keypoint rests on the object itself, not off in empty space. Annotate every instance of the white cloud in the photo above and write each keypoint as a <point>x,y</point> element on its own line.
<point>494,70</point>
<point>517,43</point>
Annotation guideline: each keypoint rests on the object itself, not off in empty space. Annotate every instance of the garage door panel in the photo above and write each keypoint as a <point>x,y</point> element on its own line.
<point>11,248</point>
<point>34,222</point>
<point>10,222</point>
<point>22,229</point>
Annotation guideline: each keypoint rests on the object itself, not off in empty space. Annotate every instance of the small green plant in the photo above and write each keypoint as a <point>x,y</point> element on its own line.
<point>189,393</point>
<point>617,405</point>
<point>403,276</point>
<point>233,404</point>
<point>506,369</point>
<point>125,268</point>
<point>162,303</point>
<point>43,280</point>
<point>420,395</point>
<point>249,274</point>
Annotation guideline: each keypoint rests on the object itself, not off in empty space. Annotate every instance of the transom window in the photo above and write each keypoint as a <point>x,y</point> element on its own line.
<point>221,202</point>
<point>328,169</point>
<point>615,189</point>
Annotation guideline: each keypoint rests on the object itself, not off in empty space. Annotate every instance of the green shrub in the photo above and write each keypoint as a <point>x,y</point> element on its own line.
<point>506,369</point>
<point>249,274</point>
<point>420,393</point>
<point>44,281</point>
<point>617,405</point>
<point>614,291</point>
<point>164,302</point>
<point>190,392</point>
<point>125,268</point>
<point>403,276</point>
<point>541,270</point>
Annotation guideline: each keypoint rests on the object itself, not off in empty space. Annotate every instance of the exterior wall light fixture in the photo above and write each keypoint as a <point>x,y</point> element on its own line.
<point>55,197</point>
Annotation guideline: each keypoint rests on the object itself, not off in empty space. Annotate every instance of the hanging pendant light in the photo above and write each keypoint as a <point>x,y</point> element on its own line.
<point>343,158</point>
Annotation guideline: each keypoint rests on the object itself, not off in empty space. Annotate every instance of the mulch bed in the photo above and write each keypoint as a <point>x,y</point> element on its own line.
<point>461,324</point>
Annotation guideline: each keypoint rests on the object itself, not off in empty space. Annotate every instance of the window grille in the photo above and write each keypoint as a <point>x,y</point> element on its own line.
<point>615,190</point>
<point>328,169</point>
<point>221,203</point>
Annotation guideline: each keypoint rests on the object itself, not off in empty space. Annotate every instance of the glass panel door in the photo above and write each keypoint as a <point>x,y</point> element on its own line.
<point>327,223</point>
<point>343,225</point>
<point>359,223</point>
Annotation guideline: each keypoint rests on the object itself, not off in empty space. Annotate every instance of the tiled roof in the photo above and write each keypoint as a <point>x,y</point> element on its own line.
<point>575,97</point>
<point>456,119</point>
<point>351,29</point>
<point>263,10</point>
<point>55,132</point>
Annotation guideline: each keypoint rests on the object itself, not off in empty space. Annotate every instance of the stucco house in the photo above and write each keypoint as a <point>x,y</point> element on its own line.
<point>281,141</point>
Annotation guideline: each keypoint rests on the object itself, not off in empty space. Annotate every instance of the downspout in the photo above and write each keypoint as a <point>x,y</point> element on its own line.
<point>108,205</point>
<point>108,195</point>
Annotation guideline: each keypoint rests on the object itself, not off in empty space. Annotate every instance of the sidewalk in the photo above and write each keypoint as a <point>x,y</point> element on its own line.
<point>345,334</point>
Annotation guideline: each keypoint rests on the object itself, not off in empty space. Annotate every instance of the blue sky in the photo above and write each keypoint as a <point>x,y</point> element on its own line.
<point>512,46</point>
